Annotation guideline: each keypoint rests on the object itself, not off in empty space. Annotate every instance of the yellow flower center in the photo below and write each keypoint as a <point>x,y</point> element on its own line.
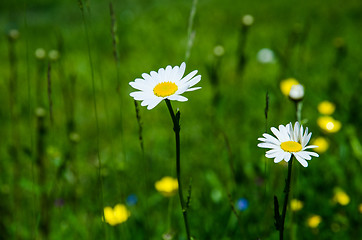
<point>165,89</point>
<point>291,146</point>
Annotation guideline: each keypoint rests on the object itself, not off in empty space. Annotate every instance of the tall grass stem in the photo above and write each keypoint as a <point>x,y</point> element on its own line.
<point>190,32</point>
<point>95,112</point>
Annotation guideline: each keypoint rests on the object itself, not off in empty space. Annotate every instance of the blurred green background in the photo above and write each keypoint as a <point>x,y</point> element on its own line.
<point>70,137</point>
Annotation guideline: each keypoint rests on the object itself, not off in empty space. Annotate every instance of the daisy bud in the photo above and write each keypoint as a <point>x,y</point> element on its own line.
<point>219,51</point>
<point>53,55</point>
<point>40,53</point>
<point>247,20</point>
<point>13,34</point>
<point>265,55</point>
<point>296,92</point>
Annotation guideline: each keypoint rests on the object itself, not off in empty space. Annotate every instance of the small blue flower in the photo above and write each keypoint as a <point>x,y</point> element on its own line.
<point>131,200</point>
<point>242,204</point>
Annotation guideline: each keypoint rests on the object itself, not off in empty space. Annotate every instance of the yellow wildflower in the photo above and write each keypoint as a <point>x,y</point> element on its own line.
<point>360,207</point>
<point>341,197</point>
<point>167,186</point>
<point>322,144</point>
<point>326,107</point>
<point>329,124</point>
<point>314,221</point>
<point>296,205</point>
<point>116,215</point>
<point>286,85</point>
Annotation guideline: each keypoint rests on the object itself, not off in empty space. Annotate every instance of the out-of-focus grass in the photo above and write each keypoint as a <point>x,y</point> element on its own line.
<point>152,35</point>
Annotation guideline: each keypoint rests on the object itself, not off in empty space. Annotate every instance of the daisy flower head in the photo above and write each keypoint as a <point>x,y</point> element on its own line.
<point>167,83</point>
<point>288,142</point>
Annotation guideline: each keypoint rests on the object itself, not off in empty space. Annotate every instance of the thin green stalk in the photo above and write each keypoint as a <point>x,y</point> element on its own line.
<point>176,129</point>
<point>190,32</point>
<point>298,112</point>
<point>286,192</point>
<point>45,205</point>
<point>34,234</point>
<point>50,102</point>
<point>95,112</point>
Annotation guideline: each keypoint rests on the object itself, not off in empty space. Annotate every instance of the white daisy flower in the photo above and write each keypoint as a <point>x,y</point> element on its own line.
<point>288,141</point>
<point>164,84</point>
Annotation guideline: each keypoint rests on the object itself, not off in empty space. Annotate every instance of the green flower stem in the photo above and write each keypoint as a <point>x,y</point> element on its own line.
<point>176,129</point>
<point>286,192</point>
<point>298,111</point>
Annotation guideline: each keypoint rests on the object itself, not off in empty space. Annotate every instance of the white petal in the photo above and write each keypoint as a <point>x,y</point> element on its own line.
<point>304,155</point>
<point>276,133</point>
<point>296,131</point>
<point>271,139</point>
<point>287,156</point>
<point>274,150</point>
<point>194,81</point>
<point>279,157</point>
<point>173,74</point>
<point>140,86</point>
<point>262,139</point>
<point>301,161</point>
<point>188,77</point>
<point>150,83</point>
<point>139,95</point>
<point>154,77</point>
<point>177,98</point>
<point>273,153</point>
<point>180,71</point>
<point>147,77</point>
<point>310,146</point>
<point>312,153</point>
<point>192,89</point>
<point>168,75</point>
<point>154,103</point>
<point>267,145</point>
<point>284,134</point>
<point>149,100</point>
<point>306,139</point>
<point>182,89</point>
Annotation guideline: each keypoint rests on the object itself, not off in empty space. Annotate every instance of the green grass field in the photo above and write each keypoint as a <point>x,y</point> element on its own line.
<point>70,137</point>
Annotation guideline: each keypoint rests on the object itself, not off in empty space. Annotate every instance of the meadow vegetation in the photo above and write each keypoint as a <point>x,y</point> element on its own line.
<point>80,159</point>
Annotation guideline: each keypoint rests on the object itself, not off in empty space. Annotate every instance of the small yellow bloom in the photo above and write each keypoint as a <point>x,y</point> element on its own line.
<point>296,205</point>
<point>116,215</point>
<point>167,186</point>
<point>322,144</point>
<point>341,197</point>
<point>360,207</point>
<point>286,85</point>
<point>329,124</point>
<point>314,221</point>
<point>326,108</point>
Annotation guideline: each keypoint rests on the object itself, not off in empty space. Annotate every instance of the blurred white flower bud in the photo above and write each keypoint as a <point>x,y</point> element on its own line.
<point>40,53</point>
<point>40,112</point>
<point>14,34</point>
<point>219,50</point>
<point>53,55</point>
<point>296,92</point>
<point>74,137</point>
<point>265,55</point>
<point>247,20</point>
